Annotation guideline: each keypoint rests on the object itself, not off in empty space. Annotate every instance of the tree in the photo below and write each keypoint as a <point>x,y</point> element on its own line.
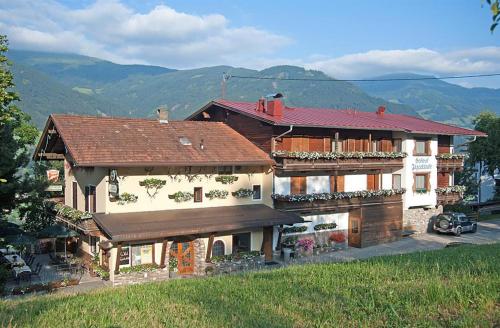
<point>495,12</point>
<point>16,134</point>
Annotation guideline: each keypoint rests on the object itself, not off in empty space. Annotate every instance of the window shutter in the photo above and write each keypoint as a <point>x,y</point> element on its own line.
<point>303,185</point>
<point>332,183</point>
<point>298,185</point>
<point>414,182</point>
<point>327,144</point>
<point>75,195</point>
<point>316,144</point>
<point>370,181</point>
<point>377,181</point>
<point>428,147</point>
<point>305,144</point>
<point>340,183</point>
<point>427,182</point>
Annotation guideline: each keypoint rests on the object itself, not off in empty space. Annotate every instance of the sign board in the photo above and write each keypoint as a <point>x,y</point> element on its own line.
<point>113,187</point>
<point>54,187</point>
<point>421,164</point>
<point>53,175</point>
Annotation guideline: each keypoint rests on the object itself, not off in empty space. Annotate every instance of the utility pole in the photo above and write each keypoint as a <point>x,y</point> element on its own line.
<point>225,78</point>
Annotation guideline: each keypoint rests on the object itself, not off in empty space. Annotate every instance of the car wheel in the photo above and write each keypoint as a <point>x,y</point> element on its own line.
<point>458,232</point>
<point>474,228</point>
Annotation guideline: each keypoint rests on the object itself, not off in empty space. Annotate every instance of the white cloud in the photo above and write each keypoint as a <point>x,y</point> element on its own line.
<point>422,60</point>
<point>113,31</point>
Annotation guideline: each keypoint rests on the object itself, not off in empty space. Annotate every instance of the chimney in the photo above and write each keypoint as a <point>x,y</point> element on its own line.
<point>275,105</point>
<point>162,114</point>
<point>380,111</point>
<point>261,105</point>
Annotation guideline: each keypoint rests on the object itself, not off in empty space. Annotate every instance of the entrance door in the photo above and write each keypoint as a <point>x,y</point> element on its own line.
<point>354,234</point>
<point>241,242</point>
<point>184,252</point>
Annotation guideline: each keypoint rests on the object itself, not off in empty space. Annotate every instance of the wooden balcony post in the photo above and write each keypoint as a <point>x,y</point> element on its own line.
<point>208,258</point>
<point>163,253</point>
<point>267,243</point>
<point>117,262</point>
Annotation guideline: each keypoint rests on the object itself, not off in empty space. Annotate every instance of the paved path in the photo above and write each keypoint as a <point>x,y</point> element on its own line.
<point>487,232</point>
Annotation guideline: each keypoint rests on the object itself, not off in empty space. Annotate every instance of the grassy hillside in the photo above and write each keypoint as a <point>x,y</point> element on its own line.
<point>41,95</point>
<point>455,287</point>
<point>435,99</point>
<point>138,90</point>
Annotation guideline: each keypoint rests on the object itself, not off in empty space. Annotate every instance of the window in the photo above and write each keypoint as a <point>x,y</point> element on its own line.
<point>219,249</point>
<point>256,192</point>
<point>75,195</point>
<point>198,194</point>
<point>142,254</point>
<point>421,148</point>
<point>375,145</point>
<point>397,145</point>
<point>338,146</point>
<point>355,226</point>
<point>93,244</point>
<point>224,170</point>
<point>421,183</point>
<point>90,199</point>
<point>396,181</point>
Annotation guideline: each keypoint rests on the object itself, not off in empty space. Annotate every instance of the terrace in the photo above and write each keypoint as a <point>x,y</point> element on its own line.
<point>343,161</point>
<point>336,200</point>
<point>450,162</point>
<point>450,195</point>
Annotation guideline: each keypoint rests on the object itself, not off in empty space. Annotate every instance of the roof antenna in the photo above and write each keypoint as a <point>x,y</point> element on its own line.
<point>225,78</point>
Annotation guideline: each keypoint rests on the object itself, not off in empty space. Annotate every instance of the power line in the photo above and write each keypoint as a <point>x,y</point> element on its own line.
<point>228,76</point>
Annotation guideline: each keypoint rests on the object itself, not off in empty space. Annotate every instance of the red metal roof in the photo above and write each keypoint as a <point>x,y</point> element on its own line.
<point>347,119</point>
<point>126,142</point>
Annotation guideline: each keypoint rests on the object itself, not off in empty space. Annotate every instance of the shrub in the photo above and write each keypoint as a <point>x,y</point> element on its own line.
<point>294,229</point>
<point>140,268</point>
<point>461,207</point>
<point>337,237</point>
<point>306,244</point>
<point>325,226</point>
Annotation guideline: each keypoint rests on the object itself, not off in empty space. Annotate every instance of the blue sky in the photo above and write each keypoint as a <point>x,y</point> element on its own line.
<point>345,39</point>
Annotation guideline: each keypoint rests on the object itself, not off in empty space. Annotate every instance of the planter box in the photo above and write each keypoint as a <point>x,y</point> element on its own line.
<point>285,164</point>
<point>448,164</point>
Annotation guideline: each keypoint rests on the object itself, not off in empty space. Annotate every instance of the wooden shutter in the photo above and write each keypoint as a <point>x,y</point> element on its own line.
<point>428,147</point>
<point>414,187</point>
<point>443,180</point>
<point>90,199</point>
<point>370,181</point>
<point>427,182</point>
<point>340,183</point>
<point>296,144</point>
<point>298,185</point>
<point>198,194</point>
<point>351,145</point>
<point>284,144</point>
<point>366,145</point>
<point>332,183</point>
<point>75,195</point>
<point>327,144</point>
<point>377,181</point>
<point>359,145</point>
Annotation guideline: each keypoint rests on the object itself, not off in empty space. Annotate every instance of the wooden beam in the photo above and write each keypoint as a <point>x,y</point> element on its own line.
<point>267,243</point>
<point>51,155</point>
<point>163,253</point>
<point>117,262</point>
<point>280,234</point>
<point>208,258</point>
<point>370,142</point>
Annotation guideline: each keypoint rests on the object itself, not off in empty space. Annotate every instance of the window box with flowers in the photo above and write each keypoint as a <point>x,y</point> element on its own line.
<point>243,193</point>
<point>216,193</point>
<point>181,196</point>
<point>226,179</point>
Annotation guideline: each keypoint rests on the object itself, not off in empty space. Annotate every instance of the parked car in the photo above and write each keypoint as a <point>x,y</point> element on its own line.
<point>455,223</point>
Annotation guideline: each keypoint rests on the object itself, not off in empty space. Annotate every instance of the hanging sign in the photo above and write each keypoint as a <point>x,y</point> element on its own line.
<point>113,188</point>
<point>53,175</point>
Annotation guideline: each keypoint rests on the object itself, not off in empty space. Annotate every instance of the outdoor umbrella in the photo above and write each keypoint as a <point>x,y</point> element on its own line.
<point>22,239</point>
<point>9,228</point>
<point>58,231</point>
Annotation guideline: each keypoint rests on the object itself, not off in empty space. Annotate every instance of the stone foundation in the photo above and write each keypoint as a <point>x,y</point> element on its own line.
<point>200,255</point>
<point>420,220</point>
<point>133,278</point>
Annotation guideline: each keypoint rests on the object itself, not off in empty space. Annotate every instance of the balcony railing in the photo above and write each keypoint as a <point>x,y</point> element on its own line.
<point>450,195</point>
<point>450,162</point>
<point>332,201</point>
<point>319,161</point>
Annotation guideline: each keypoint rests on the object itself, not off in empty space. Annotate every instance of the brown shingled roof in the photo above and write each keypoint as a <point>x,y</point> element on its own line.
<point>115,142</point>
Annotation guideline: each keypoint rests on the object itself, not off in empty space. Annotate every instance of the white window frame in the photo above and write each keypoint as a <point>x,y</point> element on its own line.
<point>260,198</point>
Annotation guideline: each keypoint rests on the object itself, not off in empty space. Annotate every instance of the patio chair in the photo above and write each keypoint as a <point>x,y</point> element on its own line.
<point>36,271</point>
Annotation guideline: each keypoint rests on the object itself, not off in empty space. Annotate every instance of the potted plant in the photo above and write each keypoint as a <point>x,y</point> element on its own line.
<point>172,265</point>
<point>305,246</point>
<point>338,239</point>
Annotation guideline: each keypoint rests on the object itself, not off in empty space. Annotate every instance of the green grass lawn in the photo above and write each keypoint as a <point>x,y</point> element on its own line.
<point>454,287</point>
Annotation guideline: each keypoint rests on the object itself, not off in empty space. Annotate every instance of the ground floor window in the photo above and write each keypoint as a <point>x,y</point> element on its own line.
<point>93,244</point>
<point>136,254</point>
<point>421,183</point>
<point>219,249</point>
<point>396,181</point>
<point>241,242</point>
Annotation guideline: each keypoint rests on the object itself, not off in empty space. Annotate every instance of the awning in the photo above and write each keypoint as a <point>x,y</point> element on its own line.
<point>186,222</point>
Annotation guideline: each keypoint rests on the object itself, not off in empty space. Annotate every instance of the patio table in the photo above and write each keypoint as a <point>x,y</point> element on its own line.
<point>18,261</point>
<point>19,269</point>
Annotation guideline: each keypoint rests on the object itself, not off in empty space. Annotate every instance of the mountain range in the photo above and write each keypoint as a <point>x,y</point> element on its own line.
<point>68,83</point>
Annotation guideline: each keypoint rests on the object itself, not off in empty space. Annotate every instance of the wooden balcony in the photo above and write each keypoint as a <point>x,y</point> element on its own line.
<point>449,198</point>
<point>288,164</point>
<point>334,204</point>
<point>449,164</point>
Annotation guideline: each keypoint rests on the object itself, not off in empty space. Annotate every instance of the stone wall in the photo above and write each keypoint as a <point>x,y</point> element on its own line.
<point>199,257</point>
<point>420,219</point>
<point>133,278</point>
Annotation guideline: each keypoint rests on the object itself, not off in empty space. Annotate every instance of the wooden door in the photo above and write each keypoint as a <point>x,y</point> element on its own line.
<point>354,233</point>
<point>184,252</point>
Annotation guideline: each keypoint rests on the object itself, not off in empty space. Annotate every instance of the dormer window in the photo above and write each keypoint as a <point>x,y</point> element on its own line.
<point>185,141</point>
